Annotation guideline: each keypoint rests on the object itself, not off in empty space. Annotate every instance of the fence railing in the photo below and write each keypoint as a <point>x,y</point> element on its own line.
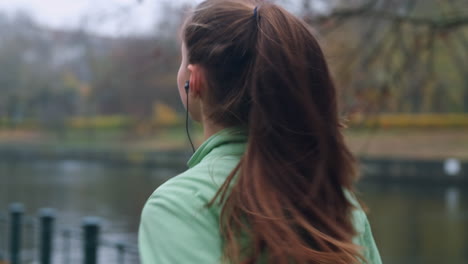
<point>43,229</point>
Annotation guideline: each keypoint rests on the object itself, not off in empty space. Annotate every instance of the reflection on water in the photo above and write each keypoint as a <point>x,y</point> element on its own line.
<point>79,189</point>
<point>411,224</point>
<point>419,224</point>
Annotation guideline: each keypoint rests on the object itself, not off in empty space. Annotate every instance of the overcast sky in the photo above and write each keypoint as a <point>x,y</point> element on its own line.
<point>114,17</point>
<point>106,16</point>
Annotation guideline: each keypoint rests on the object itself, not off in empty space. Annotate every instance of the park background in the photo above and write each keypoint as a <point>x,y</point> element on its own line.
<point>91,121</point>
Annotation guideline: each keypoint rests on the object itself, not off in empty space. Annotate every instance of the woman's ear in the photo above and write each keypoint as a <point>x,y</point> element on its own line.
<point>196,78</point>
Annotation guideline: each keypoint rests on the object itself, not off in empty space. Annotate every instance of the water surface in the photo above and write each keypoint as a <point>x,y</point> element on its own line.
<point>411,223</point>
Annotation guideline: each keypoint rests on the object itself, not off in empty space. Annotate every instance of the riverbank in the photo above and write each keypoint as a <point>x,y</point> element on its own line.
<point>429,155</point>
<point>418,144</point>
<point>442,171</point>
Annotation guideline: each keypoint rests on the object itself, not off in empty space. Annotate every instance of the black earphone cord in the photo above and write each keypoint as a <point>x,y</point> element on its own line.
<point>186,116</point>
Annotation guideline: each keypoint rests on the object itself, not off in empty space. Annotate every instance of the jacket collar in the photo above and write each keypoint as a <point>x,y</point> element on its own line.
<point>236,134</point>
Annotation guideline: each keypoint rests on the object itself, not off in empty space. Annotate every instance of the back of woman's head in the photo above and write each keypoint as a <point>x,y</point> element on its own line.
<point>264,69</point>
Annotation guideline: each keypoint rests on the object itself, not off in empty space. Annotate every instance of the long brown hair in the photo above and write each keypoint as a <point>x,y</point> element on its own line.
<point>285,200</point>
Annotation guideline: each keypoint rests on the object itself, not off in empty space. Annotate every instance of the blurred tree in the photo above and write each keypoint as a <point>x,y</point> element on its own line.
<point>47,73</point>
<point>387,56</point>
<point>397,55</point>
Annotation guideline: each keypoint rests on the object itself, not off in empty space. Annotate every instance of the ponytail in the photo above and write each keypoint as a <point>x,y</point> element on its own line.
<point>285,200</point>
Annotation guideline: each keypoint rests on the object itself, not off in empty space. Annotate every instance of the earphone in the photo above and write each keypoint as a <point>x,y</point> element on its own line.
<point>187,86</point>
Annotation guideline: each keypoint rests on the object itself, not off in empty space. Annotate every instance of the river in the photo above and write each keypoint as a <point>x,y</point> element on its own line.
<point>411,223</point>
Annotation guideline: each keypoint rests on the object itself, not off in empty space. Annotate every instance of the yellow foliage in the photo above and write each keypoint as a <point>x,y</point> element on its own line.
<point>71,80</point>
<point>410,120</point>
<point>164,115</point>
<point>24,123</point>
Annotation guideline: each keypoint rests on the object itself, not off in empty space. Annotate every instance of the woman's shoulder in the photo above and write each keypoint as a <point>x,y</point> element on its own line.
<point>178,198</point>
<point>186,195</point>
<point>195,183</point>
<point>176,226</point>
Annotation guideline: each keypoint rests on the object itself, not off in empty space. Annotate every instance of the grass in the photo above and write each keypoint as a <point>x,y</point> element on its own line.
<point>438,143</point>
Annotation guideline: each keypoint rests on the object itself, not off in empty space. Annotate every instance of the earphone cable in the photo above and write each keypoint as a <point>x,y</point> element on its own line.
<point>186,126</point>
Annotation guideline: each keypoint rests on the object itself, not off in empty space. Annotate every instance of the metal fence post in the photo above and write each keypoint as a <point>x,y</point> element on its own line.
<point>91,226</point>
<point>2,259</point>
<point>3,231</point>
<point>66,240</point>
<point>120,253</point>
<point>16,214</point>
<point>46,235</point>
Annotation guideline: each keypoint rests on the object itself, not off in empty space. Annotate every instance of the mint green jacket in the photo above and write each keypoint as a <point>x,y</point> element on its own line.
<point>175,226</point>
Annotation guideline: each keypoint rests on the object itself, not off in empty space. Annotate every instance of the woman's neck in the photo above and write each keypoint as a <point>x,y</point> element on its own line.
<point>210,128</point>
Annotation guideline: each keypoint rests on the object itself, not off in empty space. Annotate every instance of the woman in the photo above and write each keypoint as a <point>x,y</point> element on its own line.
<point>273,180</point>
